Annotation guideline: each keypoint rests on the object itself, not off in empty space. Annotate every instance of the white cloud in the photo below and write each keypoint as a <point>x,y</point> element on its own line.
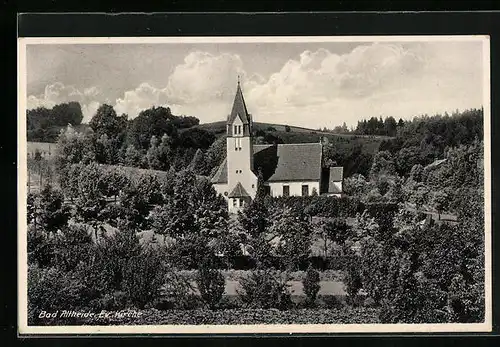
<point>58,93</point>
<point>204,77</point>
<point>143,97</point>
<point>314,89</point>
<point>325,89</point>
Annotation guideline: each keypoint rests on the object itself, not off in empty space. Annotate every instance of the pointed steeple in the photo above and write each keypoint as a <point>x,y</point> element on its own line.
<point>239,107</point>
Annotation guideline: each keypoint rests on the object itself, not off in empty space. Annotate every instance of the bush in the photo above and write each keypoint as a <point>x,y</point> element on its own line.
<point>263,289</point>
<point>177,293</point>
<point>142,278</point>
<point>51,290</point>
<point>352,280</point>
<point>311,285</point>
<point>211,285</point>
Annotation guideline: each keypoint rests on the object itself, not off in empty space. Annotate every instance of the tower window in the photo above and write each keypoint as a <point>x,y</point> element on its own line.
<point>239,129</point>
<point>234,203</point>
<point>235,129</point>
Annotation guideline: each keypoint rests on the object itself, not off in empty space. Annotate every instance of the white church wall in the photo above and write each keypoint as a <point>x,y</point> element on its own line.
<point>235,205</point>
<point>221,188</point>
<point>276,188</point>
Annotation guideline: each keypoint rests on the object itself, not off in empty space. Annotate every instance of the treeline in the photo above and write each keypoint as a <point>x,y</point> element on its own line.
<point>425,139</point>
<point>378,126</point>
<point>43,124</point>
<point>438,187</point>
<point>155,139</point>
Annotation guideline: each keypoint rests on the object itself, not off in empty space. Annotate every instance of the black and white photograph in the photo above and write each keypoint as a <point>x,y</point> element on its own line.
<point>254,184</point>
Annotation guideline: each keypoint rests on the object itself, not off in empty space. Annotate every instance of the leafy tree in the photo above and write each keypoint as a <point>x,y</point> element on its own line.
<point>138,199</point>
<point>198,164</point>
<point>153,154</point>
<point>43,124</point>
<point>338,231</point>
<point>254,217</point>
<point>143,277</point>
<point>210,209</point>
<point>50,211</point>
<point>390,126</point>
<point>294,238</point>
<point>416,173</point>
<point>402,303</point>
<point>439,202</point>
<point>176,217</point>
<point>352,278</point>
<point>196,138</point>
<point>264,289</point>
<point>72,247</point>
<point>287,128</point>
<point>154,121</point>
<point>165,152</point>
<point>211,284</point>
<point>90,201</point>
<point>133,157</point>
<point>406,159</point>
<point>356,185</point>
<point>311,285</point>
<point>383,163</point>
<point>73,147</point>
<point>106,122</point>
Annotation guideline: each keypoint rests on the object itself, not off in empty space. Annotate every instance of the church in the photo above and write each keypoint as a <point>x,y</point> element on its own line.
<point>286,169</point>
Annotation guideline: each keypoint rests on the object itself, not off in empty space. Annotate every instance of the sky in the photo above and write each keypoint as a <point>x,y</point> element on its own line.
<point>312,84</point>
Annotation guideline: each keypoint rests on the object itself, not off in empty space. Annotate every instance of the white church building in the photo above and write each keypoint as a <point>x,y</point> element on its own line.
<point>287,169</point>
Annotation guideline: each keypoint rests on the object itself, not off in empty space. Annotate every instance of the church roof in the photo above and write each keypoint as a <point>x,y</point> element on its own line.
<point>220,175</point>
<point>289,162</point>
<point>239,108</point>
<point>238,192</point>
<point>282,162</point>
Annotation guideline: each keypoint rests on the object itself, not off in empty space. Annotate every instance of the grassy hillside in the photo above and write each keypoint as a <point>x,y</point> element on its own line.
<point>342,142</point>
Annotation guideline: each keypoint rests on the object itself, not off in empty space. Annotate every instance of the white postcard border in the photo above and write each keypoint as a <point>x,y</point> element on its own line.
<point>23,327</point>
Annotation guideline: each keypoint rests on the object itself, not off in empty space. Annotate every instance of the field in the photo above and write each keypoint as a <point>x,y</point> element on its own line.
<point>45,148</point>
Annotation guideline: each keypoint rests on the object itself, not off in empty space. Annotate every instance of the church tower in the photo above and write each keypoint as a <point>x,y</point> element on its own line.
<point>242,182</point>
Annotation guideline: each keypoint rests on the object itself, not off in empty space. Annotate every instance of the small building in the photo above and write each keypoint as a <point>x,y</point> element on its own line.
<point>286,169</point>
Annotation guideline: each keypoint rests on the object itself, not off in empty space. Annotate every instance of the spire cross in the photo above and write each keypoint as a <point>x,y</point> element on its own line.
<point>238,79</point>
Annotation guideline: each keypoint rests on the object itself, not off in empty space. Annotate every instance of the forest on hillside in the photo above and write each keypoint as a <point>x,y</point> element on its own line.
<point>159,140</point>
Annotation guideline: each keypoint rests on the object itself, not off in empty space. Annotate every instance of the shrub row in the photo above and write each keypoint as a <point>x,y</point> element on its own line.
<point>245,262</point>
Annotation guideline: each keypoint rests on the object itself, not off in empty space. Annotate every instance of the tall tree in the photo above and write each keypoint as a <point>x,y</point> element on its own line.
<point>106,121</point>
<point>198,163</point>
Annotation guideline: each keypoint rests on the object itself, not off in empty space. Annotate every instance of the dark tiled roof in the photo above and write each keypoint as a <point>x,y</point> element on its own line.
<point>282,162</point>
<point>221,174</point>
<point>238,192</point>
<point>289,162</point>
<point>239,108</point>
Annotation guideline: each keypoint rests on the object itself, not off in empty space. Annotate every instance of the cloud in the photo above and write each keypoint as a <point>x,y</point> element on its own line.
<point>58,93</point>
<point>315,88</point>
<point>202,86</point>
<point>143,97</point>
<point>204,77</point>
<point>379,79</point>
